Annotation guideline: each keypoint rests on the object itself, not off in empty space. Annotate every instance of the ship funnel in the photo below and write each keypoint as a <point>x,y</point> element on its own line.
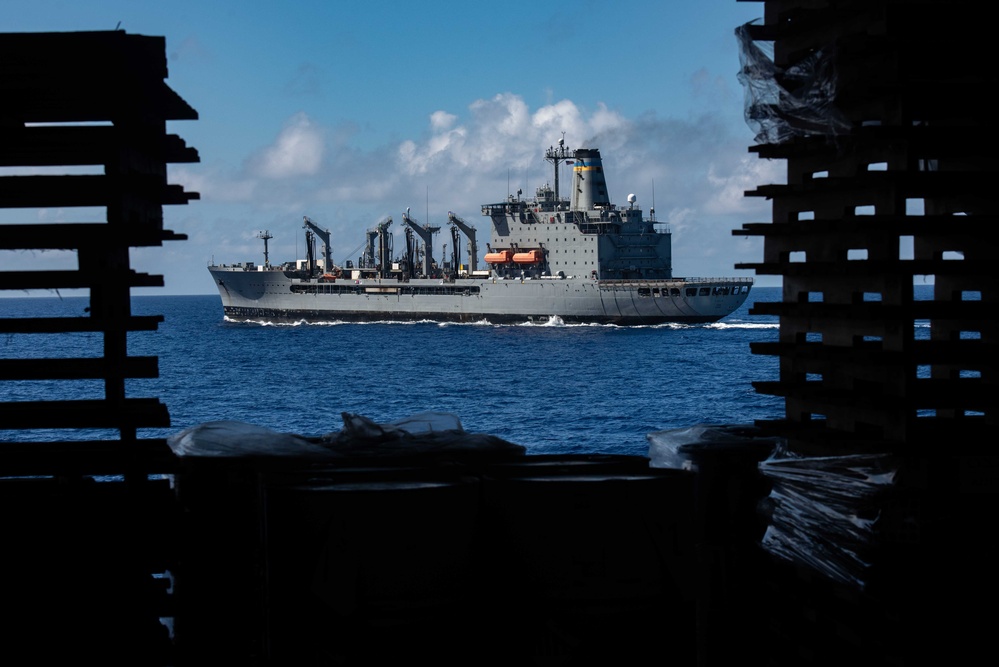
<point>589,189</point>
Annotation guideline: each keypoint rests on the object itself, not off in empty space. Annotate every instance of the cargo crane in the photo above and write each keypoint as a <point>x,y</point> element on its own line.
<point>425,232</point>
<point>310,253</point>
<point>409,263</point>
<point>469,231</point>
<point>384,248</point>
<point>373,236</point>
<point>324,234</point>
<point>378,249</point>
<point>367,261</point>
<point>455,252</point>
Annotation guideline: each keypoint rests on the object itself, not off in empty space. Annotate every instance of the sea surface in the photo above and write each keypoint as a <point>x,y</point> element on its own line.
<point>553,388</point>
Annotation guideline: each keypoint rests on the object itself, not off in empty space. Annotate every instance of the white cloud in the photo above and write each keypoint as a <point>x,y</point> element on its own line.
<point>441,120</point>
<point>731,186</point>
<point>609,125</point>
<point>506,114</point>
<point>681,218</point>
<point>214,184</point>
<point>693,165</point>
<point>297,151</point>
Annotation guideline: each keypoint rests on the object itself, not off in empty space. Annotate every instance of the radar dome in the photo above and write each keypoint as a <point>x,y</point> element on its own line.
<point>632,199</point>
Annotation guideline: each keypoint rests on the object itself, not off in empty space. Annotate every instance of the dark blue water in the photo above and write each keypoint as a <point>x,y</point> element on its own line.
<point>555,389</point>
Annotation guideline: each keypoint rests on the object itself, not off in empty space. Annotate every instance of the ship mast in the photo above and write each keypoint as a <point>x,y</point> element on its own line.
<point>266,236</point>
<point>557,156</point>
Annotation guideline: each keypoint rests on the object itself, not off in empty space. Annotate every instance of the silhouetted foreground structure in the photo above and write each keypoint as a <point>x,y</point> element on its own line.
<point>875,536</point>
<point>88,113</point>
<point>879,111</point>
<point>89,100</point>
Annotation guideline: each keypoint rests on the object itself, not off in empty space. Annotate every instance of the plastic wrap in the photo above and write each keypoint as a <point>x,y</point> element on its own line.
<point>681,448</point>
<point>237,439</point>
<point>824,512</point>
<point>728,486</point>
<point>784,103</point>
<point>419,433</point>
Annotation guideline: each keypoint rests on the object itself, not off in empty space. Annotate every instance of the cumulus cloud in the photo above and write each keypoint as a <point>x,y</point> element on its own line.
<point>681,218</point>
<point>694,165</point>
<point>442,120</point>
<point>297,151</point>
<point>214,183</point>
<point>503,133</point>
<point>732,182</point>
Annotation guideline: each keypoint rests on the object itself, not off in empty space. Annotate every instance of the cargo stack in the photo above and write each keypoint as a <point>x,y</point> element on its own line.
<point>879,111</point>
<point>83,127</point>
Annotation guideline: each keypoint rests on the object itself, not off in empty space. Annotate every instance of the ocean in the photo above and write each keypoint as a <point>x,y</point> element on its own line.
<point>553,388</point>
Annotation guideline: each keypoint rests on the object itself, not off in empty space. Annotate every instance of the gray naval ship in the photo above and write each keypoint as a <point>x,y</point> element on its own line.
<point>549,258</point>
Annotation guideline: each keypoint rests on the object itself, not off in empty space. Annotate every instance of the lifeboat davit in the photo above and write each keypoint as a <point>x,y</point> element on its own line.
<point>529,257</point>
<point>502,257</point>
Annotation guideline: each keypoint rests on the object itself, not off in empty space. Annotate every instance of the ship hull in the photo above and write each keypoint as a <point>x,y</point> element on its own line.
<point>274,296</point>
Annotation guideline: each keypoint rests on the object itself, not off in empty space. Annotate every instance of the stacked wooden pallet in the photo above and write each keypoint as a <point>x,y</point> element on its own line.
<point>880,111</point>
<point>89,514</point>
<point>84,117</point>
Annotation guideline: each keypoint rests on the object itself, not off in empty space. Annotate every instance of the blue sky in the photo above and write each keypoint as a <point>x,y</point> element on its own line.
<point>348,112</point>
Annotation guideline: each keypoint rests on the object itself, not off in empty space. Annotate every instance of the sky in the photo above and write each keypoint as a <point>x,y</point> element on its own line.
<point>348,112</point>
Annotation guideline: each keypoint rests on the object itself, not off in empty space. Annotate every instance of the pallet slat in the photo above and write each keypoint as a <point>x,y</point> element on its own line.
<point>56,325</point>
<point>78,369</point>
<point>73,236</point>
<point>22,280</point>
<point>129,413</point>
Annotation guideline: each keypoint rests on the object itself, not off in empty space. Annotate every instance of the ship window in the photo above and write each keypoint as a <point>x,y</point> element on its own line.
<point>673,291</point>
<point>704,291</point>
<point>691,291</point>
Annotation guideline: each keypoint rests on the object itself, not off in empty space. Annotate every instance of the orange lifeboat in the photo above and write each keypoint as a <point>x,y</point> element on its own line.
<point>529,257</point>
<point>501,257</point>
